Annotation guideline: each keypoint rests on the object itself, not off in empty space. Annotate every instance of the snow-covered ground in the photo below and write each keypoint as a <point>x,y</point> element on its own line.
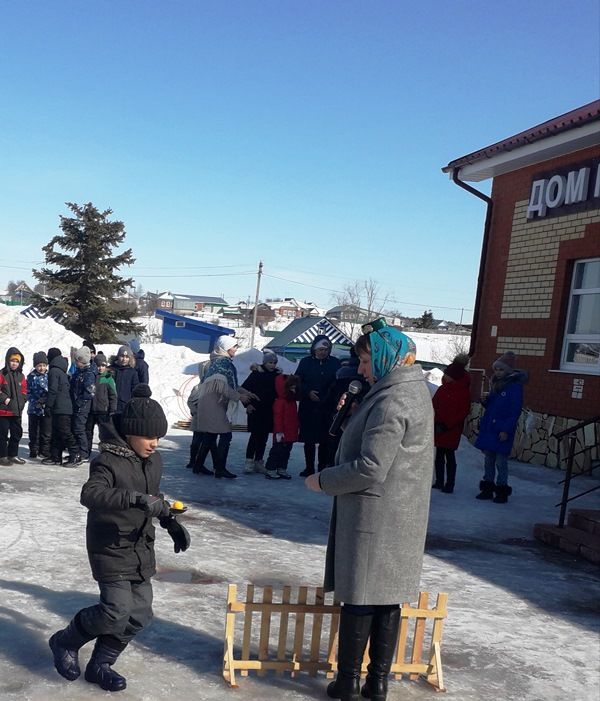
<point>523,620</point>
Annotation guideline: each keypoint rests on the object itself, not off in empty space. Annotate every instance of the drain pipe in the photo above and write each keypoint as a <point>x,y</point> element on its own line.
<point>484,249</point>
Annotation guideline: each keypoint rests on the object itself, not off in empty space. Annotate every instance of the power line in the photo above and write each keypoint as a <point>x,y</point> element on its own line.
<point>247,272</point>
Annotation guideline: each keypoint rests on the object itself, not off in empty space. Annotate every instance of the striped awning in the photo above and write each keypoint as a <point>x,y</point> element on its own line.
<point>323,328</point>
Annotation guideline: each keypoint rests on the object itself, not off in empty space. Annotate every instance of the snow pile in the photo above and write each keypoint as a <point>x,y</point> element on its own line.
<point>30,335</point>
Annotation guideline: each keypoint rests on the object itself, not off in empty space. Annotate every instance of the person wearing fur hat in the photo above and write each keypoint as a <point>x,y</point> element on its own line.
<point>13,395</point>
<point>317,373</point>
<point>39,425</point>
<point>451,405</point>
<point>83,389</point>
<point>125,374</point>
<point>260,381</point>
<point>498,425</point>
<point>122,496</point>
<point>218,396</point>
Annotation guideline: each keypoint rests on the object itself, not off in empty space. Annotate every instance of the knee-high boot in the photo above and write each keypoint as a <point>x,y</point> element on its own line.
<point>198,466</point>
<point>384,636</point>
<point>65,646</point>
<point>98,670</point>
<point>353,635</point>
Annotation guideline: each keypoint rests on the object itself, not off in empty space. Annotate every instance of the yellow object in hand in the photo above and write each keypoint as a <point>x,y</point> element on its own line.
<point>177,505</point>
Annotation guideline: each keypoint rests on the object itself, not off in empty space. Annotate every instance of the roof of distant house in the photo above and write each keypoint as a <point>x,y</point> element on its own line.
<point>304,330</point>
<point>200,299</point>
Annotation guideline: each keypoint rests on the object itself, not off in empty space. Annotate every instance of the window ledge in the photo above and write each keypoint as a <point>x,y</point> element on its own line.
<point>594,372</point>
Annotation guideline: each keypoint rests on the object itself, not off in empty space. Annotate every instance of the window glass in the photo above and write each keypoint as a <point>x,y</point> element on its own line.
<point>585,314</point>
<point>586,353</point>
<point>587,275</point>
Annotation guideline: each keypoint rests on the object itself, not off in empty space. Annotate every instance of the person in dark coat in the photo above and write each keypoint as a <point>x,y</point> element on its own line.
<point>317,377</point>
<point>59,406</point>
<point>142,368</point>
<point>381,484</point>
<point>83,389</point>
<point>125,374</point>
<point>13,395</point>
<point>451,405</point>
<point>39,426</point>
<point>104,401</point>
<point>498,426</point>
<point>122,495</point>
<point>260,381</point>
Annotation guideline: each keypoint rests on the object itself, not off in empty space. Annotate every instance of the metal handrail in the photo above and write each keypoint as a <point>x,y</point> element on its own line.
<point>570,432</point>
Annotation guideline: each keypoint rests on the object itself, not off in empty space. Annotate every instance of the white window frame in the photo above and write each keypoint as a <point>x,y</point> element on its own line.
<point>180,324</point>
<point>583,368</point>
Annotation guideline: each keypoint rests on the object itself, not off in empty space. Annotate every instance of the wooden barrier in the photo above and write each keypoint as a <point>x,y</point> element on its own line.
<point>311,624</point>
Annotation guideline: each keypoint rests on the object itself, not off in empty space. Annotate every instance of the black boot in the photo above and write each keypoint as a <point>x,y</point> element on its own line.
<point>65,645</point>
<point>353,635</point>
<point>487,490</point>
<point>98,670</point>
<point>439,471</point>
<point>384,636</point>
<point>309,460</point>
<point>503,491</point>
<point>448,488</point>
<point>198,467</point>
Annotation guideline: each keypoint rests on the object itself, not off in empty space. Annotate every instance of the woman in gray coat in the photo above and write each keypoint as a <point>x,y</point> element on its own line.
<point>381,483</point>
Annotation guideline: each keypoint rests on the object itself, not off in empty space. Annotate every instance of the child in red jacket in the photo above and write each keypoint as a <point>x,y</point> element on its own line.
<point>13,395</point>
<point>451,404</point>
<point>285,426</point>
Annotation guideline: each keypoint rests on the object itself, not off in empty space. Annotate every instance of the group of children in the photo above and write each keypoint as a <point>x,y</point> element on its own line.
<point>64,404</point>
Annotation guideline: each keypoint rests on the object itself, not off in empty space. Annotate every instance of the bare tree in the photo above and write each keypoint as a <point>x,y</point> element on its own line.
<point>360,302</point>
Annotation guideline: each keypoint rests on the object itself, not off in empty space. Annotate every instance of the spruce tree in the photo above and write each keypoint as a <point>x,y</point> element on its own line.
<point>85,286</point>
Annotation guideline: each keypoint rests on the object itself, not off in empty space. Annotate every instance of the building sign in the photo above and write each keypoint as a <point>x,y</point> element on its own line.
<point>565,191</point>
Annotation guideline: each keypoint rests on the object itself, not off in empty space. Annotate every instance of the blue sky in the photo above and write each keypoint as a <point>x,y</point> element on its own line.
<point>309,134</point>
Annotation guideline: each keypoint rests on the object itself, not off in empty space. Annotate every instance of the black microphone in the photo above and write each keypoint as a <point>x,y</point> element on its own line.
<point>354,389</point>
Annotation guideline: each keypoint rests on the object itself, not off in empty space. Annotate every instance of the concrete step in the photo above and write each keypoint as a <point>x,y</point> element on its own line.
<point>571,540</point>
<point>585,519</point>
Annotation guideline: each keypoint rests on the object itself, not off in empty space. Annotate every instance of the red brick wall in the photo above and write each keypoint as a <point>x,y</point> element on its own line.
<point>546,392</point>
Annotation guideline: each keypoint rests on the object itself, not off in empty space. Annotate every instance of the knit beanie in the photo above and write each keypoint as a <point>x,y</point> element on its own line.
<point>15,356</point>
<point>143,416</point>
<point>90,345</point>
<point>83,355</point>
<point>40,357</point>
<point>269,357</point>
<point>456,369</point>
<point>505,362</point>
<point>124,350</point>
<point>53,353</point>
<point>100,358</point>
<point>225,343</point>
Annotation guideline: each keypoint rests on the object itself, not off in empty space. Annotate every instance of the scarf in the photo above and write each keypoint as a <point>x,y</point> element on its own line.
<point>389,349</point>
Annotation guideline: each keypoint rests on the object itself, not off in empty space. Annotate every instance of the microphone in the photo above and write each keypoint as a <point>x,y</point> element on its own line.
<point>354,389</point>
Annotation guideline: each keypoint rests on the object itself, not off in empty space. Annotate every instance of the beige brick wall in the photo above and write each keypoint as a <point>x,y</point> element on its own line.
<point>521,345</point>
<point>532,260</point>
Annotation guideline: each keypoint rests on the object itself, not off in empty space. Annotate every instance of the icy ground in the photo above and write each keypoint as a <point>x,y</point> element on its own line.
<point>523,619</point>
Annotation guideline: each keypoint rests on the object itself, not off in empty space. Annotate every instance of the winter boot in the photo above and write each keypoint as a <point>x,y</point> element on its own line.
<point>353,635</point>
<point>259,467</point>
<point>65,645</point>
<point>487,490</point>
<point>448,488</point>
<point>284,475</point>
<point>16,460</point>
<point>503,491</point>
<point>272,475</point>
<point>98,670</point>
<point>6,462</point>
<point>73,461</point>
<point>384,636</point>
<point>249,466</point>
<point>51,461</point>
<point>198,467</point>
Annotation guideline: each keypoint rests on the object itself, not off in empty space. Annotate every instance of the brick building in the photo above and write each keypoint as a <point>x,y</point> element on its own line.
<point>538,291</point>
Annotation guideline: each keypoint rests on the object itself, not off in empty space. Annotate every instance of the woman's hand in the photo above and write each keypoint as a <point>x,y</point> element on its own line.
<point>312,483</point>
<point>313,395</point>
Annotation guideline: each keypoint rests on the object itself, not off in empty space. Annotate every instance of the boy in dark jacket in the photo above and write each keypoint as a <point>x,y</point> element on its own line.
<point>141,367</point>
<point>39,425</point>
<point>122,495</point>
<point>60,407</point>
<point>125,374</point>
<point>83,388</point>
<point>104,401</point>
<point>13,395</point>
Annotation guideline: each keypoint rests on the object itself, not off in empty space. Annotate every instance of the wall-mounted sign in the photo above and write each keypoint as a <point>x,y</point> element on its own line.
<point>559,192</point>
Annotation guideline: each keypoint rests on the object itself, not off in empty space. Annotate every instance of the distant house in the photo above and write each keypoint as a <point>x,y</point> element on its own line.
<point>264,313</point>
<point>189,304</point>
<point>291,308</point>
<point>295,340</point>
<point>187,331</point>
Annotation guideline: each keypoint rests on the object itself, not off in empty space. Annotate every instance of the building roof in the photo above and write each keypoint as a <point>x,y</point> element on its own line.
<point>193,321</point>
<point>201,299</point>
<point>569,132</point>
<point>305,329</point>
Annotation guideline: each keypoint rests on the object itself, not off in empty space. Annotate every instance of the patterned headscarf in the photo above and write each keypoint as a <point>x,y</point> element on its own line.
<point>389,349</point>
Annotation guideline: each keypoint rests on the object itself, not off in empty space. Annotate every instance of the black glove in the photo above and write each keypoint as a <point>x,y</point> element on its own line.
<point>156,507</point>
<point>440,427</point>
<point>179,535</point>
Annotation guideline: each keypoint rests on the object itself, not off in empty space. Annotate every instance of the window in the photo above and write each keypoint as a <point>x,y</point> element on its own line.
<point>581,347</point>
<point>180,324</point>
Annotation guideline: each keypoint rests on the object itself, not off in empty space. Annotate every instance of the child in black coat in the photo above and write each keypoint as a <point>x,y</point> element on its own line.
<point>122,497</point>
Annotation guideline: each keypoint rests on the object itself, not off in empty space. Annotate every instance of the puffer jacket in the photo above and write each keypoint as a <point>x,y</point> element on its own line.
<point>126,378</point>
<point>119,537</point>
<point>285,410</point>
<point>58,400</point>
<point>13,386</point>
<point>502,410</point>
<point>37,391</point>
<point>83,388</point>
<point>451,404</point>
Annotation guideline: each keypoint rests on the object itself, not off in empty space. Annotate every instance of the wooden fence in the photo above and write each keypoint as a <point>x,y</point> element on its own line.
<point>299,634</point>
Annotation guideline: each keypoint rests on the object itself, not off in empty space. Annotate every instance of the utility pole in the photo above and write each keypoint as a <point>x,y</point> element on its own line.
<point>254,313</point>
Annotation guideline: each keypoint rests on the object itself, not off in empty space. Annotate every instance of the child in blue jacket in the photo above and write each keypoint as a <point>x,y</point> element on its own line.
<point>498,426</point>
<point>40,425</point>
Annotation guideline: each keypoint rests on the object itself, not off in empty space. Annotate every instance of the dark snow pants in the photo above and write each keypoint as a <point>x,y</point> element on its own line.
<point>39,430</point>
<point>62,438</point>
<point>257,444</point>
<point>9,447</point>
<point>124,609</point>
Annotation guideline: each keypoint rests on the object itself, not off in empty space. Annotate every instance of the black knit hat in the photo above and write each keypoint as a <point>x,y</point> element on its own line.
<point>90,345</point>
<point>53,353</point>
<point>143,416</point>
<point>40,357</point>
<point>100,358</point>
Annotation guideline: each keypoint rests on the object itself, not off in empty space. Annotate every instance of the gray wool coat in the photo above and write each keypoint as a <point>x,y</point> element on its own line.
<point>381,482</point>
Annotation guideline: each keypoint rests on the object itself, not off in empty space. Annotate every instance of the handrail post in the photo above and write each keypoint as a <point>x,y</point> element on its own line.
<point>567,484</point>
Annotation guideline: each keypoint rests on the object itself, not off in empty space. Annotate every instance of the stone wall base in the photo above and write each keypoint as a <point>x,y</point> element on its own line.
<point>536,442</point>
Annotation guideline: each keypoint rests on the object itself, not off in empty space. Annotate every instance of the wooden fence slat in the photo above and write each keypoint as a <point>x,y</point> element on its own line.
<point>402,638</point>
<point>299,629</point>
<point>417,649</point>
<point>265,628</point>
<point>315,642</point>
<point>283,628</point>
<point>228,660</point>
<point>333,638</point>
<point>247,628</point>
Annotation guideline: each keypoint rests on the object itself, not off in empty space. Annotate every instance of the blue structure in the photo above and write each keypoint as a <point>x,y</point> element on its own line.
<point>187,331</point>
